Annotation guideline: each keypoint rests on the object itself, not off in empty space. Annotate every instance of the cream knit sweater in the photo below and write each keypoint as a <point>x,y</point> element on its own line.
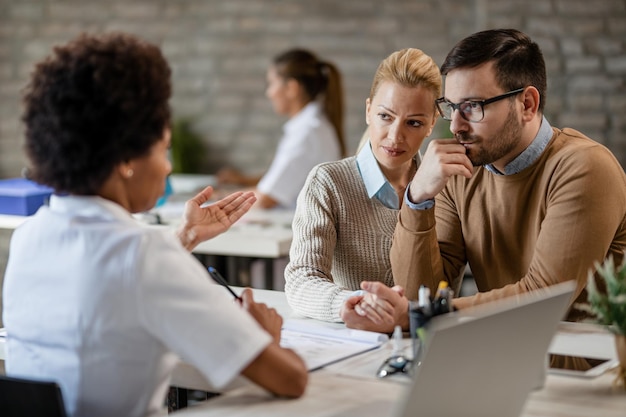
<point>340,238</point>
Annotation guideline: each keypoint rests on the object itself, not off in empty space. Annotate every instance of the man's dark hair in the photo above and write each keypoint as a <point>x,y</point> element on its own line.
<point>518,61</point>
<point>97,101</point>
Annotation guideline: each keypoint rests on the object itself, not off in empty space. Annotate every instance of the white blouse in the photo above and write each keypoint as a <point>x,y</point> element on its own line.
<point>308,139</point>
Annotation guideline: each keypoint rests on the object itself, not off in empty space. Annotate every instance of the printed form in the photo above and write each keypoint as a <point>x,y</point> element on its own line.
<point>320,345</point>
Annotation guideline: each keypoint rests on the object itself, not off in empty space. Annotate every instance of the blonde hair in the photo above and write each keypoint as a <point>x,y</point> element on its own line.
<point>409,67</point>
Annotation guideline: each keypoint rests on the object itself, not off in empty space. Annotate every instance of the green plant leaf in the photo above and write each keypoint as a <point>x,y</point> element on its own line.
<point>609,308</point>
<point>187,151</point>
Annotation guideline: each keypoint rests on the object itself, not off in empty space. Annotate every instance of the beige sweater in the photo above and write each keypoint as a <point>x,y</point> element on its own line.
<point>340,238</point>
<point>546,224</point>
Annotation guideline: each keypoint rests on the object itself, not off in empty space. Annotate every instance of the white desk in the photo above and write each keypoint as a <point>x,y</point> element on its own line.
<point>259,233</point>
<point>262,234</point>
<point>338,395</point>
<point>349,388</point>
<point>11,222</point>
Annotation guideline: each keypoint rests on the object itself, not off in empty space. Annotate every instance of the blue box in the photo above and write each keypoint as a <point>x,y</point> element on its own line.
<point>22,197</point>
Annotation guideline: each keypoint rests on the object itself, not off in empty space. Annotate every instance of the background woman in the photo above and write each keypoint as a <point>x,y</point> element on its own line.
<point>347,211</point>
<point>309,92</point>
<point>95,301</point>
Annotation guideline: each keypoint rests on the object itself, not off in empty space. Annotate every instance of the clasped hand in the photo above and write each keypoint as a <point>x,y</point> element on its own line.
<point>379,309</point>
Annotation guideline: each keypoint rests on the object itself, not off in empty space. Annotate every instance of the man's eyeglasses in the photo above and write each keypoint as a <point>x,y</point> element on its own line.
<point>471,110</point>
<point>397,362</point>
<point>393,365</point>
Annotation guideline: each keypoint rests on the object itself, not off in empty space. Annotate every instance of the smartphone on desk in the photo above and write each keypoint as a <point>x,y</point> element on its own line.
<point>579,366</point>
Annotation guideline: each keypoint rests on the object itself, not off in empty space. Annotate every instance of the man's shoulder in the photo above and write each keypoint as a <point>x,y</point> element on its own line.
<point>569,139</point>
<point>575,146</point>
<point>574,156</point>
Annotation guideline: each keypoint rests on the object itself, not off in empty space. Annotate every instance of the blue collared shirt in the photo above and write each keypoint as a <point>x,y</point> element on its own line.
<point>375,182</point>
<point>521,162</point>
<point>530,154</point>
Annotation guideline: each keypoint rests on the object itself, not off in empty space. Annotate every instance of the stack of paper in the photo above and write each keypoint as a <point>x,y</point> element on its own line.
<point>320,345</point>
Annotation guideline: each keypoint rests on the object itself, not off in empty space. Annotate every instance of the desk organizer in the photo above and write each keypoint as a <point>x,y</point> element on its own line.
<point>22,197</point>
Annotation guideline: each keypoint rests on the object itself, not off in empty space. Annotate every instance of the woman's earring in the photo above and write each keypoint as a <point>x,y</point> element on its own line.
<point>129,173</point>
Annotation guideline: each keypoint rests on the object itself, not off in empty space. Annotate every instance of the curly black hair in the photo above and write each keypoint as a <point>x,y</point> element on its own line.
<point>95,102</point>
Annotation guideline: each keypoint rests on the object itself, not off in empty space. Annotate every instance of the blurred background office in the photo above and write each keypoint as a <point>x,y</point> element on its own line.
<point>306,90</point>
<point>219,51</point>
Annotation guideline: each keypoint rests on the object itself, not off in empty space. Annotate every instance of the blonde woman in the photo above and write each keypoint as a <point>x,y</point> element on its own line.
<point>347,211</point>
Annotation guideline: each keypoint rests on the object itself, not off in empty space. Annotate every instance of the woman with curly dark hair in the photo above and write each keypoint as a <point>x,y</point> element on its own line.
<point>95,301</point>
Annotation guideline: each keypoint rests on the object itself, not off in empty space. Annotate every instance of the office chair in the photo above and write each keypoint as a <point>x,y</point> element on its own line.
<point>23,397</point>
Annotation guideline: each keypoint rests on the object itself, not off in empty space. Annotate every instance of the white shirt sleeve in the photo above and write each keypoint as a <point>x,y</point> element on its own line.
<point>193,316</point>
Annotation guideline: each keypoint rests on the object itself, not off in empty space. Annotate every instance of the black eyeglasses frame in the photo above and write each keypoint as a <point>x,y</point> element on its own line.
<point>482,103</point>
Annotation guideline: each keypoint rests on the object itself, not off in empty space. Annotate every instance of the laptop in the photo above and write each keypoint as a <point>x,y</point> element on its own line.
<point>484,361</point>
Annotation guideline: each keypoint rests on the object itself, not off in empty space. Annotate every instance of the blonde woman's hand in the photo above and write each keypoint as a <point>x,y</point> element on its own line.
<point>379,309</point>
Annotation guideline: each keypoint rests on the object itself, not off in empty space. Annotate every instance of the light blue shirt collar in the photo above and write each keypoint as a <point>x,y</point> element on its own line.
<point>530,154</point>
<point>375,182</point>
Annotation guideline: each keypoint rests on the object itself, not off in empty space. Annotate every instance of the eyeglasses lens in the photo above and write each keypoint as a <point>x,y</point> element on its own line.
<point>470,110</point>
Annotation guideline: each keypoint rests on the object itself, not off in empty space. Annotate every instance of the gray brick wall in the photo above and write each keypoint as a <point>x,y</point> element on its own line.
<point>219,51</point>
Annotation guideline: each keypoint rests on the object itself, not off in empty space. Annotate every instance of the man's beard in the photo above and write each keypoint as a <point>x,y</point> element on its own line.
<point>499,145</point>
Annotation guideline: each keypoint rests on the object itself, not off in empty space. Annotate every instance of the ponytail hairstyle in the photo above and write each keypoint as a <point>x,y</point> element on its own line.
<point>316,77</point>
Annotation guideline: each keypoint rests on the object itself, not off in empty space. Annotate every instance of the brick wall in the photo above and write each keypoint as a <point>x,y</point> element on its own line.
<point>219,51</point>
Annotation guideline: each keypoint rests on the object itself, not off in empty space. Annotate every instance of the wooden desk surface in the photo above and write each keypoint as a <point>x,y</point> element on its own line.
<point>330,394</point>
<point>349,388</point>
<point>339,391</point>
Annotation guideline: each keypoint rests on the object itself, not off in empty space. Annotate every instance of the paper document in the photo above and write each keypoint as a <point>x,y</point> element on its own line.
<point>583,339</point>
<point>320,345</point>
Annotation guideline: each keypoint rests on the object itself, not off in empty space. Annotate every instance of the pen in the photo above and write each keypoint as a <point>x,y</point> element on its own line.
<point>222,281</point>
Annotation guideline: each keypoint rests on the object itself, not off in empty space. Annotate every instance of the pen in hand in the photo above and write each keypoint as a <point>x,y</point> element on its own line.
<point>222,281</point>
